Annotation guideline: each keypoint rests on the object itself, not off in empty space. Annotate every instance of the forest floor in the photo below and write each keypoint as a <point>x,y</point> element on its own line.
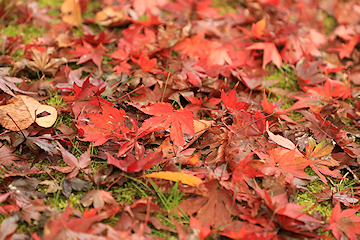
<point>185,119</point>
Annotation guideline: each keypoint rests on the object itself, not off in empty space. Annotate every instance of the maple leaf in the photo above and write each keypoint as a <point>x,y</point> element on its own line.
<point>192,72</point>
<point>8,83</point>
<point>67,226</point>
<point>194,46</point>
<point>74,165</point>
<point>141,6</point>
<point>344,222</point>
<point>345,196</point>
<point>88,52</point>
<point>231,102</point>
<point>213,207</point>
<point>84,90</point>
<point>123,67</point>
<point>290,163</point>
<point>345,49</point>
<point>270,53</point>
<point>248,124</point>
<point>7,155</point>
<point>165,116</point>
<point>320,163</point>
<point>145,63</point>
<point>219,55</point>
<point>103,126</point>
<point>197,103</point>
<point>258,28</point>
<point>8,228</point>
<point>98,198</point>
<point>297,47</point>
<point>132,164</point>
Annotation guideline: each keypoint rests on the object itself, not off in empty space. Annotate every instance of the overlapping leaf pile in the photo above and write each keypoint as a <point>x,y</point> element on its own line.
<point>180,97</point>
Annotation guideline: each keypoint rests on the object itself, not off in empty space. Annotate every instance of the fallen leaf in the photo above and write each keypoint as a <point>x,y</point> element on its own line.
<point>270,53</point>
<point>344,222</point>
<point>176,176</point>
<point>164,116</point>
<point>23,111</point>
<point>71,12</point>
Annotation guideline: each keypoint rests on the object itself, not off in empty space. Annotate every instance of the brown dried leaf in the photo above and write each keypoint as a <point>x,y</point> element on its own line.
<point>23,110</point>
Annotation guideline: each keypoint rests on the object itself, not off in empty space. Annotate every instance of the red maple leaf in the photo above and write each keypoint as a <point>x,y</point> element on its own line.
<point>345,49</point>
<point>84,91</point>
<point>88,52</point>
<point>146,64</point>
<point>270,53</point>
<point>197,103</point>
<point>132,164</point>
<point>194,46</point>
<point>164,117</point>
<point>103,126</point>
<point>344,222</point>
<point>192,72</point>
<point>141,6</point>
<point>214,207</point>
<point>290,163</point>
<point>231,102</point>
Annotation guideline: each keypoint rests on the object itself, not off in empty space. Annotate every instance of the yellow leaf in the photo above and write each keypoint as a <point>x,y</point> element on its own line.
<point>176,176</point>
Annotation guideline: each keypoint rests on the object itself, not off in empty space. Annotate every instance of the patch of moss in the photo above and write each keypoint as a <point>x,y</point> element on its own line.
<point>162,234</point>
<point>129,192</point>
<point>329,23</point>
<point>28,32</point>
<point>25,228</point>
<point>55,100</point>
<point>112,220</point>
<point>61,202</point>
<point>310,172</point>
<point>2,216</point>
<point>307,198</point>
<point>54,4</point>
<point>288,79</point>
<point>227,5</point>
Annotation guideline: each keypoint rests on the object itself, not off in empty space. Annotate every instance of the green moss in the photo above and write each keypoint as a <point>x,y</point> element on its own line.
<point>61,202</point>
<point>2,216</point>
<point>329,23</point>
<point>162,234</point>
<point>227,5</point>
<point>55,100</point>
<point>129,192</point>
<point>288,79</point>
<point>308,199</point>
<point>112,220</point>
<point>25,228</point>
<point>28,32</point>
<point>64,118</point>
<point>310,172</point>
<point>54,4</point>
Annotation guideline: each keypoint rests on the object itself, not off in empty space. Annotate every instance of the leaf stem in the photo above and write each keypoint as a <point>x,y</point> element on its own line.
<point>166,83</point>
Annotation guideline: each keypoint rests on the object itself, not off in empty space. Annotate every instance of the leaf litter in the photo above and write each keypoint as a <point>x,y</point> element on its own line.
<point>217,117</point>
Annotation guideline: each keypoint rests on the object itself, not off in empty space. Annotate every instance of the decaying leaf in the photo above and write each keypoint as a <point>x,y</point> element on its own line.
<point>22,111</point>
<point>71,12</point>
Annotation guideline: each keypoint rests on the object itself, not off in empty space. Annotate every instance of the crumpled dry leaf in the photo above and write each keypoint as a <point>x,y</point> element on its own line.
<point>108,16</point>
<point>172,33</point>
<point>23,111</point>
<point>41,62</point>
